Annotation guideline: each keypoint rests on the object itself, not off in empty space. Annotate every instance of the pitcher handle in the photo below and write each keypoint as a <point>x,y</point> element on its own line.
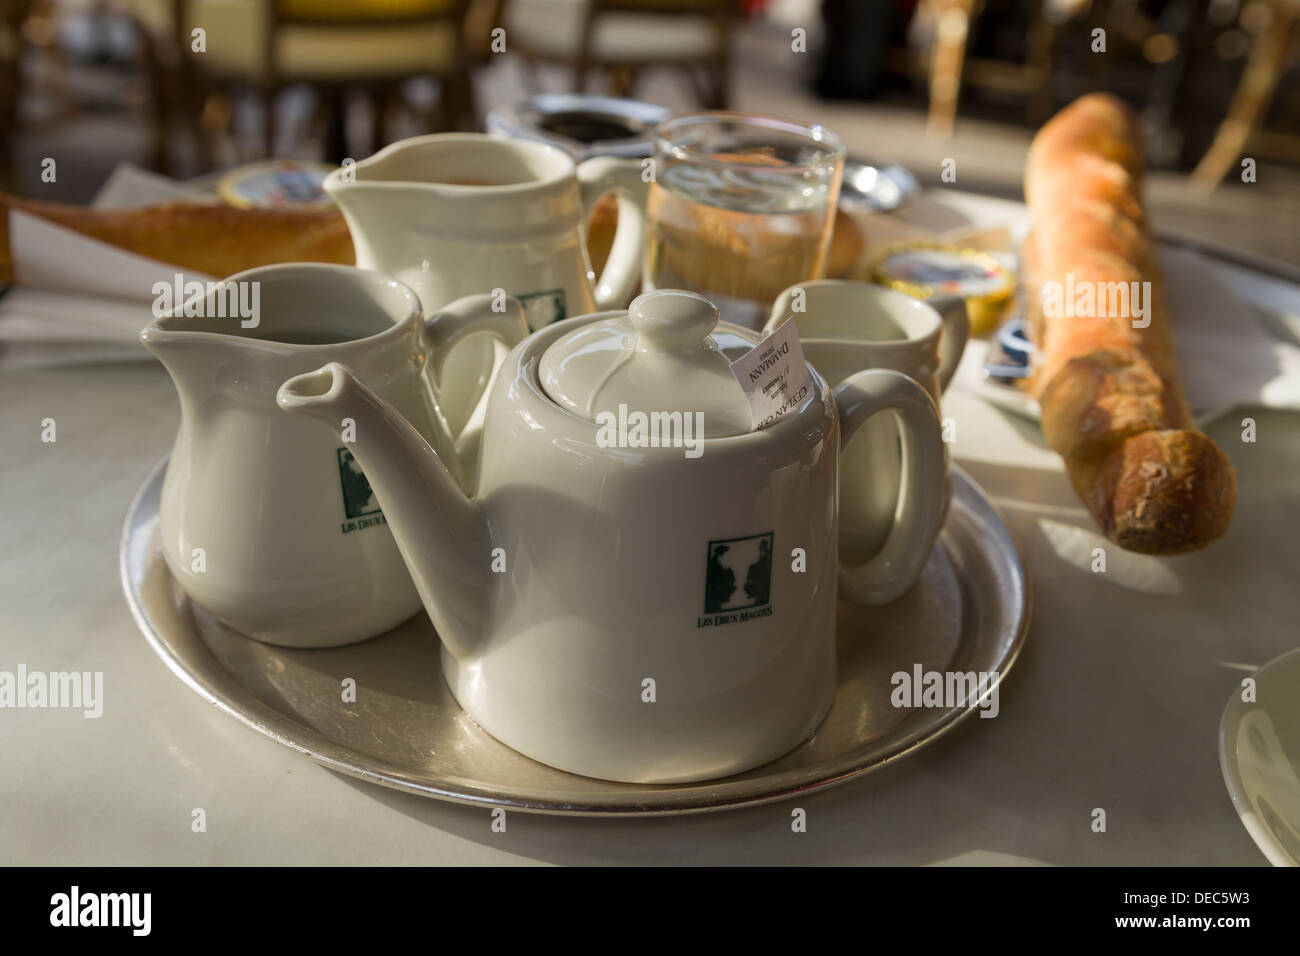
<point>596,177</point>
<point>955,334</point>
<point>922,496</point>
<point>443,330</point>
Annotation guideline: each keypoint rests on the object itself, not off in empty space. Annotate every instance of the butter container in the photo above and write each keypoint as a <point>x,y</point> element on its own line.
<point>924,269</point>
<point>276,184</point>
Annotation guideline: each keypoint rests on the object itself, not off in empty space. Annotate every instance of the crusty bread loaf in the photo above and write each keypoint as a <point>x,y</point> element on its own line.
<point>1112,403</point>
<point>212,238</point>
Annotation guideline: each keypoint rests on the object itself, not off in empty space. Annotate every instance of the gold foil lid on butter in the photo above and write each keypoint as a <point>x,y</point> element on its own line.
<point>924,269</point>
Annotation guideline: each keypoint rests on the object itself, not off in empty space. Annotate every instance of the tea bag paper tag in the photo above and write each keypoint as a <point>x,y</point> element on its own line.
<point>774,376</point>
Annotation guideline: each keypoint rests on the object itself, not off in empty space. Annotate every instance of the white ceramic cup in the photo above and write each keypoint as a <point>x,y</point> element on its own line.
<point>268,522</point>
<point>847,327</point>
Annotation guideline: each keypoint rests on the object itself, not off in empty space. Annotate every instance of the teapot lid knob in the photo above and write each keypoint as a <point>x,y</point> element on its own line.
<point>662,356</point>
<point>672,320</point>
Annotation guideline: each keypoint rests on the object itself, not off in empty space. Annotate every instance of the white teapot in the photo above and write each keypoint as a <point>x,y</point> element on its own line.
<point>639,587</point>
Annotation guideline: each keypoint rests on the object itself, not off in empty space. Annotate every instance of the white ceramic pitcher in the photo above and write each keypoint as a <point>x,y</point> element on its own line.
<point>267,521</point>
<point>455,214</point>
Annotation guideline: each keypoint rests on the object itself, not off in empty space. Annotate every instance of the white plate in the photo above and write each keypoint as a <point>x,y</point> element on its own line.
<point>1235,334</point>
<point>1259,750</point>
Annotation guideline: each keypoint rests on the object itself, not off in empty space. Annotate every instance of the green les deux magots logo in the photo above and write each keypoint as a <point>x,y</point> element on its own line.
<point>360,506</point>
<point>737,580</point>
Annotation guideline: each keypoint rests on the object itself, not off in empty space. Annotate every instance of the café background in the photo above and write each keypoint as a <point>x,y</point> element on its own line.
<point>98,82</point>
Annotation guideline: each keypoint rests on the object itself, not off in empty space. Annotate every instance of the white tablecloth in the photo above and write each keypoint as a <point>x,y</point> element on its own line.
<point>1115,702</point>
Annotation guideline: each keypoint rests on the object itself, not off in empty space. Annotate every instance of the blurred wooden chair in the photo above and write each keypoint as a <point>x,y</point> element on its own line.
<point>624,37</point>
<point>12,15</point>
<point>481,18</point>
<point>945,27</point>
<point>1275,50</point>
<point>265,46</point>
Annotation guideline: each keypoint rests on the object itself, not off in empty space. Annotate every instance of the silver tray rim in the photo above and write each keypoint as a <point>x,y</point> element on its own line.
<point>647,801</point>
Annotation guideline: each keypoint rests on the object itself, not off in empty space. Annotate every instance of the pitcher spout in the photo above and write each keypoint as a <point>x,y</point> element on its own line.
<point>443,535</point>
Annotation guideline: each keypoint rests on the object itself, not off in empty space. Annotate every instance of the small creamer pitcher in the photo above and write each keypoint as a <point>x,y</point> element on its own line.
<point>267,521</point>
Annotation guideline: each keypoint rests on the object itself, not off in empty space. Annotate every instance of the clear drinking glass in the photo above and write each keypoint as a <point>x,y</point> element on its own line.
<point>741,208</point>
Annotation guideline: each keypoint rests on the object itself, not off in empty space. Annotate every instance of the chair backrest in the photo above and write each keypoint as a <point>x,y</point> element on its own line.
<point>669,7</point>
<point>347,14</point>
<point>722,13</point>
<point>365,12</point>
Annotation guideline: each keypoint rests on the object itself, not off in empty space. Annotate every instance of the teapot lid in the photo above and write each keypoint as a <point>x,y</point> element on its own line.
<point>666,354</point>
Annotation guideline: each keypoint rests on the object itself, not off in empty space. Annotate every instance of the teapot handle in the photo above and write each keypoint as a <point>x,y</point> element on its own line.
<point>622,274</point>
<point>922,497</point>
<point>502,319</point>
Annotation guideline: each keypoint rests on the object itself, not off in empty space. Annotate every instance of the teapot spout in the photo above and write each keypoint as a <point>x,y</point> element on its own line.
<point>442,534</point>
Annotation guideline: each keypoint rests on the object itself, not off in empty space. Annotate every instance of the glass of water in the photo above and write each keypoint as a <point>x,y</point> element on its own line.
<point>741,208</point>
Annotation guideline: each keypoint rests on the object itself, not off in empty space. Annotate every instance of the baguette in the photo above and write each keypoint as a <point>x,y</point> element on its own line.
<point>1112,402</point>
<point>214,238</point>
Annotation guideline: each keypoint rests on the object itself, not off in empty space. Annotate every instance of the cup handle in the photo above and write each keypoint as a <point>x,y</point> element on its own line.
<point>956,332</point>
<point>922,496</point>
<point>444,329</point>
<point>596,177</point>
